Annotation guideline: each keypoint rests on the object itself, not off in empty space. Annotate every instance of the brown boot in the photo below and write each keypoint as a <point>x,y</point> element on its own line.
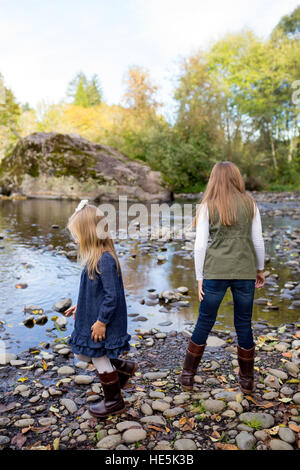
<point>113,403</point>
<point>125,368</point>
<point>193,356</point>
<point>246,369</point>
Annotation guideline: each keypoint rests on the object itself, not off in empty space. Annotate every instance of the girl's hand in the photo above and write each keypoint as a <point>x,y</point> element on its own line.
<point>70,311</point>
<point>201,292</point>
<point>260,279</point>
<point>98,331</point>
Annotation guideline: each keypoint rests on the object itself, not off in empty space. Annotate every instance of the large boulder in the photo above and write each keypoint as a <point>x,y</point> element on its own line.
<point>69,166</point>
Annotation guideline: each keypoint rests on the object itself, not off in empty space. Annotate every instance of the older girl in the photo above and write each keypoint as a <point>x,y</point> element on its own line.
<point>235,259</point>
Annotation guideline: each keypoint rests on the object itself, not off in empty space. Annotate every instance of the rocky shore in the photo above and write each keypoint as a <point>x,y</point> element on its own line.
<point>45,397</point>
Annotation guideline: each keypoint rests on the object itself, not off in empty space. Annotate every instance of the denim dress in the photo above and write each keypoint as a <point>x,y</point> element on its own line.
<point>101,299</point>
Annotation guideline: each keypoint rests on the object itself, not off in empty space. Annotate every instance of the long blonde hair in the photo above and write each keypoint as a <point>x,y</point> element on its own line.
<point>86,228</point>
<point>225,184</point>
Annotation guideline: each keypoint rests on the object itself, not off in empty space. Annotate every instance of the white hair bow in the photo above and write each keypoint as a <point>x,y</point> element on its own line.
<point>81,205</point>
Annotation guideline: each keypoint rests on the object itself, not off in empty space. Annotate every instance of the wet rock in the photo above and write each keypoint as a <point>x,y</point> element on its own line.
<point>229,396</point>
<point>62,305</point>
<point>280,374</point>
<point>155,375</point>
<point>4,440</point>
<point>17,363</point>
<point>61,322</point>
<point>41,320</point>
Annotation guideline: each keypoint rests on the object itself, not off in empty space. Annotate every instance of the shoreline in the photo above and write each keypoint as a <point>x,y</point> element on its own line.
<point>46,397</point>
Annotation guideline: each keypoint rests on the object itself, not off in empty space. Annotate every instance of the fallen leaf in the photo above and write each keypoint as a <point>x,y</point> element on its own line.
<point>56,443</point>
<point>44,364</point>
<point>22,379</point>
<point>222,446</point>
<point>156,428</point>
<point>294,427</point>
<point>19,440</point>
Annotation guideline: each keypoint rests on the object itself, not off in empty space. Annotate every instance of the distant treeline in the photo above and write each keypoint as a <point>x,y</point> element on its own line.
<point>239,100</point>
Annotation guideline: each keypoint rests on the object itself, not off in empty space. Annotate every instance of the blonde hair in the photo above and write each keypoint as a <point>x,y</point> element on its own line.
<point>224,186</point>
<point>86,228</point>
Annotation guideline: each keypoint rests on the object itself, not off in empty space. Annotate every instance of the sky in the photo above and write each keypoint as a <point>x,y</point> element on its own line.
<point>44,43</point>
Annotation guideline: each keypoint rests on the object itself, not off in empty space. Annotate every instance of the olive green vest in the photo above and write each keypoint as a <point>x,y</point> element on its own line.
<point>231,255</point>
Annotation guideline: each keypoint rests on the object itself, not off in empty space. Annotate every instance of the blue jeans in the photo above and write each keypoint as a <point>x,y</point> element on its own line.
<point>243,296</point>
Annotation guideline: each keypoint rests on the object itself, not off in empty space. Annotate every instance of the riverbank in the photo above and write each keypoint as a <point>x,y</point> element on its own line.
<point>45,397</point>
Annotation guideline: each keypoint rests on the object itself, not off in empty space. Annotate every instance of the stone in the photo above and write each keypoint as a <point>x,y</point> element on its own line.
<point>272,382</point>
<point>263,419</point>
<point>154,419</point>
<point>155,375</point>
<point>110,442</point>
<point>229,414</point>
<point>62,305</point>
<point>4,440</point>
<point>214,406</point>
<point>261,435</point>
<point>170,413</point>
<point>296,398</point>
<point>47,421</point>
<point>229,396</point>
<point>6,357</point>
<point>64,351</point>
<point>245,441</point>
<point>286,435</point>
<point>215,342</point>
<point>69,404</point>
<point>286,390</point>
<point>185,444</point>
<point>134,435</point>
<point>278,444</point>
<point>61,322</point>
<point>83,379</point>
<point>146,409</point>
<point>160,405</point>
<point>292,368</point>
<point>270,395</point>
<point>124,425</point>
<point>237,407</point>
<point>66,370</point>
<point>17,363</point>
<point>24,423</point>
<point>280,374</point>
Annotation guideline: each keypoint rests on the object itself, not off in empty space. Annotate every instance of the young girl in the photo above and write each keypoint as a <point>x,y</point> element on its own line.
<point>234,259</point>
<point>100,330</point>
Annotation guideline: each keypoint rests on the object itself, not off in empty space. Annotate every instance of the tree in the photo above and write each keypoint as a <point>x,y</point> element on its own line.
<point>289,25</point>
<point>140,94</point>
<point>85,92</point>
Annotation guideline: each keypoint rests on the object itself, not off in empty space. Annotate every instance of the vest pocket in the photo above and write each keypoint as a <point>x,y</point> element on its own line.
<point>219,264</point>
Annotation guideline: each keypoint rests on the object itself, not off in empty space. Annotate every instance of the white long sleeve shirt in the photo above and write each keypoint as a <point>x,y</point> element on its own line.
<point>202,234</point>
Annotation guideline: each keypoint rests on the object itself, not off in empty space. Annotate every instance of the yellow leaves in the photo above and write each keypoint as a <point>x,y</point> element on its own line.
<point>44,364</point>
<point>186,424</point>
<point>159,383</point>
<point>53,409</point>
<point>140,389</point>
<point>34,352</point>
<point>293,381</point>
<point>285,400</point>
<point>56,443</point>
<point>222,378</point>
<point>22,379</point>
<point>54,318</point>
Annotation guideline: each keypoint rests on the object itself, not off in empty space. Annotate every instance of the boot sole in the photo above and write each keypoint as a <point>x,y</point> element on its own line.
<point>108,414</point>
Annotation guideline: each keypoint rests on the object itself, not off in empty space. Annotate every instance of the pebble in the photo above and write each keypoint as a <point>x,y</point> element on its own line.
<point>265,420</point>
<point>124,425</point>
<point>24,423</point>
<point>214,406</point>
<point>245,441</point>
<point>4,440</point>
<point>69,404</point>
<point>296,398</point>
<point>134,435</point>
<point>66,370</point>
<point>160,405</point>
<point>47,421</point>
<point>110,442</point>
<point>155,419</point>
<point>185,444</point>
<point>155,375</point>
<point>277,444</point>
<point>146,409</point>
<point>83,379</point>
<point>173,412</point>
<point>286,435</point>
